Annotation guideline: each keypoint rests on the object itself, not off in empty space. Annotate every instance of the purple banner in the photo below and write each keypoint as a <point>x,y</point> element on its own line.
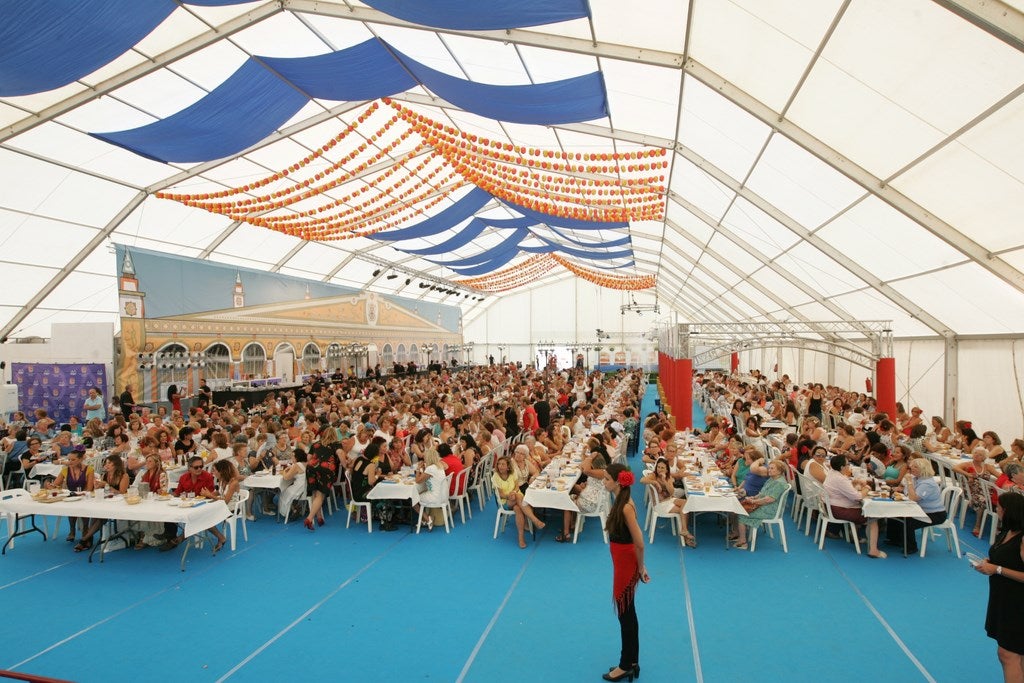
<point>59,389</point>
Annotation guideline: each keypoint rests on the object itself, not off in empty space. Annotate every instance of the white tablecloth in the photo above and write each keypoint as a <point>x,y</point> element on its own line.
<point>877,509</point>
<point>393,490</point>
<point>702,502</point>
<point>45,469</point>
<point>548,495</point>
<point>262,481</point>
<point>195,519</point>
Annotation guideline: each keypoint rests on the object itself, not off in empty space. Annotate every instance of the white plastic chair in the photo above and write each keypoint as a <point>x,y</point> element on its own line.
<point>825,518</point>
<point>811,494</point>
<point>502,518</point>
<point>354,507</point>
<point>237,513</point>
<point>479,486</point>
<point>445,507</point>
<point>462,498</point>
<point>950,500</point>
<point>774,521</point>
<point>601,513</point>
<point>653,515</point>
<point>989,513</point>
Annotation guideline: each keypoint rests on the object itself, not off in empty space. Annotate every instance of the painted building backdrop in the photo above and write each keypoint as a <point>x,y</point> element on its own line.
<point>182,318</point>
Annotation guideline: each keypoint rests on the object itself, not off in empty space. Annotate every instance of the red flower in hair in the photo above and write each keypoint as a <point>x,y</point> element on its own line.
<point>967,425</point>
<point>625,478</point>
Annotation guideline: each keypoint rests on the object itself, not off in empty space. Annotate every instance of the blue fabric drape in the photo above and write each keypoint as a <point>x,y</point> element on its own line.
<point>265,92</point>
<point>453,215</point>
<point>48,44</point>
<point>509,244</point>
<point>240,112</point>
<point>571,100</point>
<point>477,15</point>
<point>472,230</point>
<point>375,69</point>
<point>362,72</point>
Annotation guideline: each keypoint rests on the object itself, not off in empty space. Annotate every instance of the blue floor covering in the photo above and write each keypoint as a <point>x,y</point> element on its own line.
<point>341,604</point>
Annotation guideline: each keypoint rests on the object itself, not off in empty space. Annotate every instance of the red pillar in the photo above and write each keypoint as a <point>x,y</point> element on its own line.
<point>682,403</point>
<point>734,362</point>
<point>885,392</point>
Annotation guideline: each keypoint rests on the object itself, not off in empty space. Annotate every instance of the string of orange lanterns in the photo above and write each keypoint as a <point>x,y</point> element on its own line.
<point>623,282</point>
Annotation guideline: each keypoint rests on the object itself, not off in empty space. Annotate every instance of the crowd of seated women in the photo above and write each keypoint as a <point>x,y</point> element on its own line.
<point>324,433</point>
<point>748,412</point>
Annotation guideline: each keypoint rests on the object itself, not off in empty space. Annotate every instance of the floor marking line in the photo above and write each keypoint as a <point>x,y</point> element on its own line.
<point>173,586</point>
<point>698,669</point>
<point>885,624</point>
<point>494,618</point>
<point>32,576</point>
<point>255,653</point>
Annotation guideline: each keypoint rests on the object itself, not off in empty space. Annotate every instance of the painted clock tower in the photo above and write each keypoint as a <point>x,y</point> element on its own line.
<point>130,299</point>
<point>238,298</point>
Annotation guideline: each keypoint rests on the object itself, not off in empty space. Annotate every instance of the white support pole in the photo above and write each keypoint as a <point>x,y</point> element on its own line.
<point>950,385</point>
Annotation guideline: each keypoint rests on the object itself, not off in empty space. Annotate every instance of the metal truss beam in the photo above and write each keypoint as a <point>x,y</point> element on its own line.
<point>846,351</point>
<point>992,16</point>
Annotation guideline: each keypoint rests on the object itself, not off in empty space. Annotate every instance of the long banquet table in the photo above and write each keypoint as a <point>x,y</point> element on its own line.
<point>19,505</point>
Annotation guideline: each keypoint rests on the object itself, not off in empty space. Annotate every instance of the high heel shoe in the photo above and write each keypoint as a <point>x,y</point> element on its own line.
<point>625,675</point>
<point>308,523</point>
<point>320,520</point>
<point>636,670</point>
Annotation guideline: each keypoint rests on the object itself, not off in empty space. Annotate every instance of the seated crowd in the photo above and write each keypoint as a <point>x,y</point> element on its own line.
<point>334,429</point>
<point>759,431</point>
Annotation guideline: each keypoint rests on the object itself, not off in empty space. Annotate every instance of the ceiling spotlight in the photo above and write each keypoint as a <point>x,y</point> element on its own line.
<point>392,276</point>
<point>408,280</point>
<point>376,272</point>
<point>423,285</point>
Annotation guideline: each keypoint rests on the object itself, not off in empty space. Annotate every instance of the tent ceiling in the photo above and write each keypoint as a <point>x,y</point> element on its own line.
<point>810,178</point>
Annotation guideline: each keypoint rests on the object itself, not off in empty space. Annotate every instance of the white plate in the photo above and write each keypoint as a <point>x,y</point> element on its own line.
<point>974,559</point>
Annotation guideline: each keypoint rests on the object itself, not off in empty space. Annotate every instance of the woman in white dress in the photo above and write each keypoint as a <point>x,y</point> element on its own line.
<point>430,472</point>
<point>293,483</point>
<point>591,493</point>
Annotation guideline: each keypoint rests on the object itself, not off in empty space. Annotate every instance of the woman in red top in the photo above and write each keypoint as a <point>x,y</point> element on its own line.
<point>627,549</point>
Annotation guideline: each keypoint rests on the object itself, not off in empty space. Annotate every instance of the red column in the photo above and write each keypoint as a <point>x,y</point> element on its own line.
<point>734,361</point>
<point>885,392</point>
<point>682,403</point>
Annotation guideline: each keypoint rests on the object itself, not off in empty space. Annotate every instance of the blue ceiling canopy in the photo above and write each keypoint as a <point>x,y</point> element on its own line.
<point>519,232</point>
<point>265,92</point>
<point>46,44</point>
<point>474,15</point>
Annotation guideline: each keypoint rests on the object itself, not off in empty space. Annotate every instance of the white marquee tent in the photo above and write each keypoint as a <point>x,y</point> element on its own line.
<point>836,160</point>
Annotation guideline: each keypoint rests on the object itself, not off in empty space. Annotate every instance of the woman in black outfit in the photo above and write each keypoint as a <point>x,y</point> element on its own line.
<point>626,542</point>
<point>1004,567</point>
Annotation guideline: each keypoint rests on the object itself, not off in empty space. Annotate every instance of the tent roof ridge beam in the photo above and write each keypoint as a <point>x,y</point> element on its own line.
<point>992,16</point>
<point>697,264</point>
<point>764,260</point>
<point>873,184</point>
<point>811,238</point>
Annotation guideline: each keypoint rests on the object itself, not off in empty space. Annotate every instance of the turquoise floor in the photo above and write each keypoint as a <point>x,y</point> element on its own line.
<point>339,604</point>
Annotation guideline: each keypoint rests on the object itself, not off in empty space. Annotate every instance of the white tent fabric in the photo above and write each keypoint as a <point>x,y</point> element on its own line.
<point>834,160</point>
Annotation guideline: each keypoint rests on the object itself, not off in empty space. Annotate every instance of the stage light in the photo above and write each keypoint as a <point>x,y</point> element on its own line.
<point>376,272</point>
<point>392,276</point>
<point>408,280</point>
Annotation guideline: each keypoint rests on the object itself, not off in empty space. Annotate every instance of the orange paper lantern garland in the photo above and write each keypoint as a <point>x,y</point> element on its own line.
<point>513,277</point>
<point>623,282</point>
<point>603,187</point>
